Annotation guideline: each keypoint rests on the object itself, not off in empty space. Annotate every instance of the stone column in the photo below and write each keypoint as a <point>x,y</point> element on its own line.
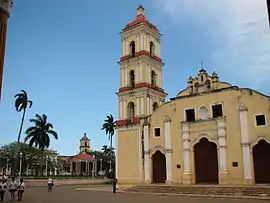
<point>167,130</point>
<point>146,152</point>
<point>186,149</point>
<point>222,150</point>
<point>245,144</point>
<point>137,106</point>
<point>141,75</point>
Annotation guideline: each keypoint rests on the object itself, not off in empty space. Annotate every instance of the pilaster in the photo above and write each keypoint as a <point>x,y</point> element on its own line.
<point>245,144</point>
<point>186,152</point>
<point>146,152</point>
<point>167,129</point>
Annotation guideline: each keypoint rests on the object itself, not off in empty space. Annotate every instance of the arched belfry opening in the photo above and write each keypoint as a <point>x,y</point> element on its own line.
<point>132,78</point>
<point>132,48</point>
<point>152,49</point>
<point>206,162</point>
<point>155,106</point>
<point>261,162</point>
<point>159,167</point>
<point>131,112</point>
<point>153,78</point>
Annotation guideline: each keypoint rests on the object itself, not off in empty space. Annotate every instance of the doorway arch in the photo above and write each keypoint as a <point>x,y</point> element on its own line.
<point>261,162</point>
<point>206,162</point>
<point>159,167</point>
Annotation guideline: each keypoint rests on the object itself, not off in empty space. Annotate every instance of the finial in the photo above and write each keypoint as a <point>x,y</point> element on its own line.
<point>202,64</point>
<point>140,10</point>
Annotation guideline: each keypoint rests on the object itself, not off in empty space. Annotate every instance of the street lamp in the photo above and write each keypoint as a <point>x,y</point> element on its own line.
<point>20,165</point>
<point>47,165</point>
<point>93,168</point>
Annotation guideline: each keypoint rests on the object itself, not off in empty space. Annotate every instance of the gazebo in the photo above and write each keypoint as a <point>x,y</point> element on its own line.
<point>82,164</point>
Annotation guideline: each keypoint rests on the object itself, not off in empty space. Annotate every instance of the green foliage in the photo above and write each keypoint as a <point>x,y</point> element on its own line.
<point>39,134</point>
<point>109,127</point>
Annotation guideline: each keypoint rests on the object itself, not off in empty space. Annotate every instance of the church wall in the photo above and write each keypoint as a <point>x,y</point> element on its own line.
<point>128,163</point>
<point>230,101</point>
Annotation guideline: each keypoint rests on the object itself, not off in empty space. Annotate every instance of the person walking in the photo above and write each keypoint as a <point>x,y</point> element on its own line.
<point>50,184</point>
<point>21,189</point>
<point>12,188</point>
<point>114,185</point>
<point>3,187</point>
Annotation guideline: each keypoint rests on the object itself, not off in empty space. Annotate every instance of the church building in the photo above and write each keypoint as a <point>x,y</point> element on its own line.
<point>211,132</point>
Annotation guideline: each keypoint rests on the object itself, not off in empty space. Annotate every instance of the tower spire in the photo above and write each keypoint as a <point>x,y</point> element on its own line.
<point>140,10</point>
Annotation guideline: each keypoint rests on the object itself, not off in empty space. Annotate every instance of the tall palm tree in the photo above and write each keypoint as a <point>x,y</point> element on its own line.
<point>109,127</point>
<point>21,104</point>
<point>39,134</point>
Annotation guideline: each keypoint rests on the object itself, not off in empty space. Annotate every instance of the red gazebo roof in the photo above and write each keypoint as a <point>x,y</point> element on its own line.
<point>84,157</point>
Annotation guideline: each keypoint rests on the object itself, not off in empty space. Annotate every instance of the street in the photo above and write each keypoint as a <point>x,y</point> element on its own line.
<point>68,194</point>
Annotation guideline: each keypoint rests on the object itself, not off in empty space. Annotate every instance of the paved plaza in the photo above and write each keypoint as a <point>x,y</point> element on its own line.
<point>69,194</point>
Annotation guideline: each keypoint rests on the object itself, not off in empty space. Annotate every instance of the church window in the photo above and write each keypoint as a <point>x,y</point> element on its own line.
<point>132,48</point>
<point>217,111</point>
<point>155,106</point>
<point>153,78</point>
<point>190,115</point>
<point>85,144</point>
<point>132,78</point>
<point>157,132</point>
<point>85,150</point>
<point>152,49</point>
<point>196,87</point>
<point>207,83</point>
<point>202,78</point>
<point>203,113</point>
<point>260,120</point>
<point>131,111</point>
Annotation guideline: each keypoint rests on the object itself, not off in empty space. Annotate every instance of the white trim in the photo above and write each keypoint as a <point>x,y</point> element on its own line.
<point>137,42</point>
<point>127,48</point>
<point>125,109</point>
<point>146,157</point>
<point>126,77</point>
<point>195,112</point>
<point>140,155</point>
<point>116,154</point>
<point>167,132</point>
<point>138,106</point>
<point>153,131</point>
<point>142,105</point>
<point>141,78</point>
<point>141,38</point>
<point>150,105</point>
<point>214,104</point>
<point>255,122</point>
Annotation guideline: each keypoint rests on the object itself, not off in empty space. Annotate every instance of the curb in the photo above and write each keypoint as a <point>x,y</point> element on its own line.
<point>196,195</point>
<point>63,185</point>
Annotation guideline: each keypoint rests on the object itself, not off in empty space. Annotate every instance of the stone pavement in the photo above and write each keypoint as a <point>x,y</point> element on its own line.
<point>68,194</point>
<point>63,182</point>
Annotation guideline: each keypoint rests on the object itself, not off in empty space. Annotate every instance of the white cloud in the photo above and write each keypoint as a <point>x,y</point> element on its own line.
<point>240,28</point>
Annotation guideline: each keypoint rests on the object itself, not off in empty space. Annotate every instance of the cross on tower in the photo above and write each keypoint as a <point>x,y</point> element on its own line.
<point>202,64</point>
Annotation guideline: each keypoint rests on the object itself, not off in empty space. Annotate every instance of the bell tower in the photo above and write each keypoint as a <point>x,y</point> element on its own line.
<point>140,92</point>
<point>84,144</point>
<point>4,15</point>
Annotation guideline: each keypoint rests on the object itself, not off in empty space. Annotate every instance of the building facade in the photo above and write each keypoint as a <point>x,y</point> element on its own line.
<point>211,132</point>
<point>4,15</point>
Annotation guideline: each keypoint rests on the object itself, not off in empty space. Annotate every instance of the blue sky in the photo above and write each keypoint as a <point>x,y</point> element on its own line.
<point>65,53</point>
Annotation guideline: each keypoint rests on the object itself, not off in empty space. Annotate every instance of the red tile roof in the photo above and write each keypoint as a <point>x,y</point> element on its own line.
<point>140,19</point>
<point>84,157</point>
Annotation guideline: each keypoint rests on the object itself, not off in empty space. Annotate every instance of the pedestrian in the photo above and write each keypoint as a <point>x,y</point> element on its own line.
<point>5,178</point>
<point>114,185</point>
<point>3,187</point>
<point>12,188</point>
<point>50,184</point>
<point>21,189</point>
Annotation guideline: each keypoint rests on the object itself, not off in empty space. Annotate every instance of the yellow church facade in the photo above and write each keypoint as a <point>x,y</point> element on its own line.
<point>211,132</point>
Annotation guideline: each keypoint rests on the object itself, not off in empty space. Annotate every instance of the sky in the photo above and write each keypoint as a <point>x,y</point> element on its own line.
<point>64,54</point>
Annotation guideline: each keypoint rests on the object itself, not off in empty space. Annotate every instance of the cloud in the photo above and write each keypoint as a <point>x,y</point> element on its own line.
<point>239,27</point>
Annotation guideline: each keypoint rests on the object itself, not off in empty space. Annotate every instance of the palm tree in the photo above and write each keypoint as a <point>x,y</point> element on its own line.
<point>39,134</point>
<point>109,127</point>
<point>21,104</point>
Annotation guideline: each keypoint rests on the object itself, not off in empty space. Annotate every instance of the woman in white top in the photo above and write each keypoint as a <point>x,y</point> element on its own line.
<point>21,188</point>
<point>3,187</point>
<point>50,184</point>
<point>12,188</point>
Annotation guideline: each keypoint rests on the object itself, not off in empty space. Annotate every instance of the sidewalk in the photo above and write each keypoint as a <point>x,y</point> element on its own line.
<point>63,182</point>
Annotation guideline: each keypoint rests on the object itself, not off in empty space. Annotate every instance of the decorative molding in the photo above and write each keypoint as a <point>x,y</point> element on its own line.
<point>242,107</point>
<point>157,148</point>
<point>168,150</point>
<point>128,127</point>
<point>167,119</point>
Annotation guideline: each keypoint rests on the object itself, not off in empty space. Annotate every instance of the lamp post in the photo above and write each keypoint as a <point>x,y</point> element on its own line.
<point>93,169</point>
<point>47,165</point>
<point>20,175</point>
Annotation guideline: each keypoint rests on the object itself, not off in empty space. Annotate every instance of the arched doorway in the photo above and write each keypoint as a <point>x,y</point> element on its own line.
<point>261,162</point>
<point>159,167</point>
<point>206,162</point>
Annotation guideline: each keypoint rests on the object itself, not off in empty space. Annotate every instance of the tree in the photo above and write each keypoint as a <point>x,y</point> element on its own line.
<point>109,127</point>
<point>21,104</point>
<point>39,134</point>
